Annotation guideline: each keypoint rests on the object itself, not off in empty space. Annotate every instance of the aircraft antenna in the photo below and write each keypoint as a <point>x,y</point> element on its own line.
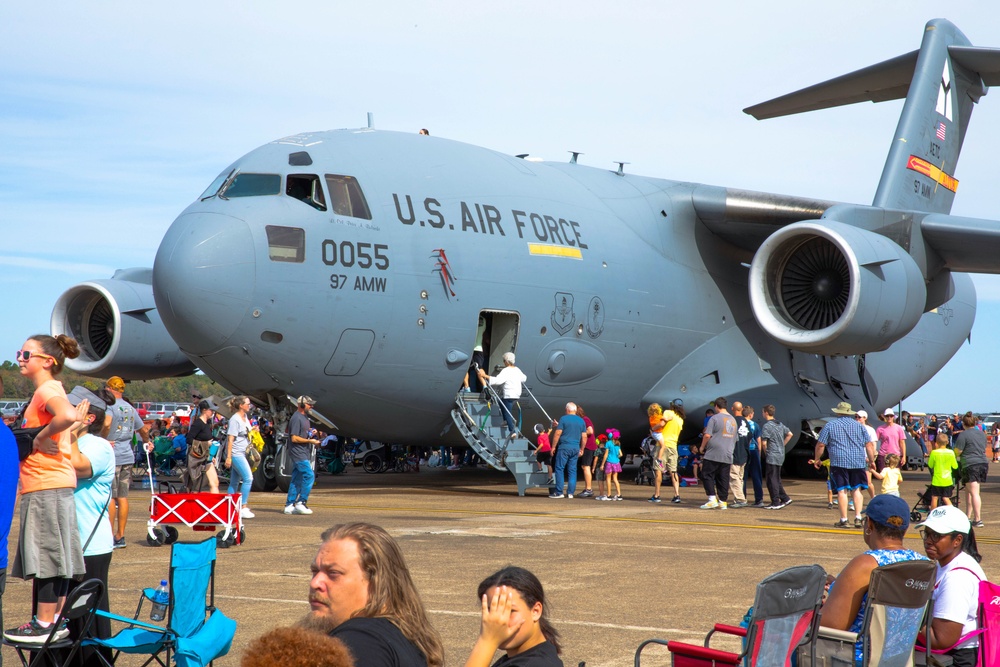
<point>575,154</point>
<point>371,121</point>
<point>621,168</point>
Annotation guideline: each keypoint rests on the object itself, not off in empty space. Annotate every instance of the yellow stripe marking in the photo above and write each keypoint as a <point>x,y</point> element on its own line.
<point>550,250</point>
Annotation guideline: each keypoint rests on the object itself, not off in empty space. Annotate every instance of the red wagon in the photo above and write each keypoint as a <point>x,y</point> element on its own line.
<point>200,511</point>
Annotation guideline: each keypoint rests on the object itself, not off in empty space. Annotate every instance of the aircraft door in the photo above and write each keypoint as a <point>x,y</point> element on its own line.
<point>500,335</point>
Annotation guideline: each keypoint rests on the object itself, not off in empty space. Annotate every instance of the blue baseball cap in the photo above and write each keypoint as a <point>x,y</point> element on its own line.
<point>889,511</point>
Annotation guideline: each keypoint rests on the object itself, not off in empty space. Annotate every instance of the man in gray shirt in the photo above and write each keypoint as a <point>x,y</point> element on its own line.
<point>300,446</point>
<point>717,444</point>
<point>125,422</point>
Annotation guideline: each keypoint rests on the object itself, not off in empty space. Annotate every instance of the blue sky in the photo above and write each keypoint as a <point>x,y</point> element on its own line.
<point>115,115</point>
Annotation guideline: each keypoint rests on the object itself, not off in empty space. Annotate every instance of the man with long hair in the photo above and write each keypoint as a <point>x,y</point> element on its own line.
<point>361,593</point>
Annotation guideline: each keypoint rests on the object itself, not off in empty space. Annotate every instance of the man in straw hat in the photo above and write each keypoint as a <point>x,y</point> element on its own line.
<point>851,452</point>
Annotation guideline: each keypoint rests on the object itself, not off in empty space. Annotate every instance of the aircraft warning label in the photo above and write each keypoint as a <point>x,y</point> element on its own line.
<point>927,169</point>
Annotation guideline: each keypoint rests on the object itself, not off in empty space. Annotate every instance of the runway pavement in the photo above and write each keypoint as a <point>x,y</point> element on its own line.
<point>615,573</point>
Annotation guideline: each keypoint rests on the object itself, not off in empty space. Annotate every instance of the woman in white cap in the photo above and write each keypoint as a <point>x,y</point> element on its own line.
<point>950,540</point>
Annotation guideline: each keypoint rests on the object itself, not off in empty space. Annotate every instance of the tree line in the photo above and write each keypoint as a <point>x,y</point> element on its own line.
<point>174,389</point>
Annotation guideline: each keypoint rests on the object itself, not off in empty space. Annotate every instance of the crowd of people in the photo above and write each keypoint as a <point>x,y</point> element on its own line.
<point>364,603</point>
<point>363,600</point>
<point>73,482</point>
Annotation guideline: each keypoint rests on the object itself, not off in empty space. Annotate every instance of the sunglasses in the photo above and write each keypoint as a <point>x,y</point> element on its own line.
<point>25,355</point>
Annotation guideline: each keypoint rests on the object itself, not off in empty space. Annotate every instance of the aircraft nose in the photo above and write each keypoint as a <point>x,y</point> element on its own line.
<point>203,279</point>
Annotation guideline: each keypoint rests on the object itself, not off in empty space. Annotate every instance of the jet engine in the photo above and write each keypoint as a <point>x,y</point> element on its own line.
<point>118,328</point>
<point>829,288</point>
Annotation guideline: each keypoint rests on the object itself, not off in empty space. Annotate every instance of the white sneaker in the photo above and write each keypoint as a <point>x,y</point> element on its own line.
<point>289,508</point>
<point>246,513</point>
<point>300,508</point>
<point>710,505</point>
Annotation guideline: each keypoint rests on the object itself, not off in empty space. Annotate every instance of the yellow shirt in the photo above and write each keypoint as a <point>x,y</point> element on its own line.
<point>672,431</point>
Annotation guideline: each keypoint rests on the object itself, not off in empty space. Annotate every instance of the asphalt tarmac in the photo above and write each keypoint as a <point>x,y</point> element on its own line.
<point>615,573</point>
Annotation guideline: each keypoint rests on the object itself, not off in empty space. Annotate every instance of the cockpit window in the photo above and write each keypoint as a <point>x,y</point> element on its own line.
<point>346,197</point>
<point>285,244</point>
<point>306,188</point>
<point>213,189</point>
<point>253,185</point>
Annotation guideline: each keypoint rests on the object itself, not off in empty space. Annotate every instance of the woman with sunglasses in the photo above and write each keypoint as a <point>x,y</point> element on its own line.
<point>48,550</point>
<point>238,436</point>
<point>950,540</point>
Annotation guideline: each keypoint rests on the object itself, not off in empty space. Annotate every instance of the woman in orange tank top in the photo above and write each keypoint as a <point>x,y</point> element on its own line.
<point>48,550</point>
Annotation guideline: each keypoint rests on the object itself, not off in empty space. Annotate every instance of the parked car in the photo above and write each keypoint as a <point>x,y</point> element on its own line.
<point>9,409</point>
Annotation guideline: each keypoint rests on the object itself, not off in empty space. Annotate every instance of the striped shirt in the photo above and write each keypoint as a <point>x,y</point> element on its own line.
<point>845,438</point>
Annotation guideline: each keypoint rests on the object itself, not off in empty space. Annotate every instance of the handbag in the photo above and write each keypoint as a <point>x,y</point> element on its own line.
<point>25,438</point>
<point>253,457</point>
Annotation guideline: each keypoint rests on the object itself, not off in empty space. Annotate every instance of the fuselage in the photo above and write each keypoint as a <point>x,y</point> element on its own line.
<point>362,267</point>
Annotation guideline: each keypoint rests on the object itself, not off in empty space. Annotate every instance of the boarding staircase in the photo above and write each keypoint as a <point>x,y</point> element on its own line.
<point>479,418</point>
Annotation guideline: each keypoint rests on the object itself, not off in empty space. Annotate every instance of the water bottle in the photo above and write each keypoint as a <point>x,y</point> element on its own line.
<point>161,599</point>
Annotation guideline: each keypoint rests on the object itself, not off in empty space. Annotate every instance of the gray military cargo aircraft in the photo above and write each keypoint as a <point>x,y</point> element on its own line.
<point>363,267</point>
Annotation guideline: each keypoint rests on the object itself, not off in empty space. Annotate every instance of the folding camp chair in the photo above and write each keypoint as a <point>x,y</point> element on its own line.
<point>80,604</point>
<point>189,636</point>
<point>899,601</point>
<point>785,613</point>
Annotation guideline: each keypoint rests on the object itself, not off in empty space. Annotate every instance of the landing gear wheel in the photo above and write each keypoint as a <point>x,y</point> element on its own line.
<point>372,463</point>
<point>158,538</point>
<point>172,534</point>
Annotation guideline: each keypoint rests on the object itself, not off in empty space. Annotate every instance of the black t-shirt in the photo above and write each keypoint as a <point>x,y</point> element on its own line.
<point>543,655</point>
<point>199,430</point>
<point>377,642</point>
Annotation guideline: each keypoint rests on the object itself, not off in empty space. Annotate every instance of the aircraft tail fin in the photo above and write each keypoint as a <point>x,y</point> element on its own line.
<point>941,82</point>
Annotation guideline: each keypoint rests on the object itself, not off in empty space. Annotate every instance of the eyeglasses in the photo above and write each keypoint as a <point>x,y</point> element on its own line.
<point>25,355</point>
<point>929,535</point>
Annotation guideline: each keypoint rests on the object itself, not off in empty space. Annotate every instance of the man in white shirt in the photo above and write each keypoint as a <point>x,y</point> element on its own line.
<point>510,378</point>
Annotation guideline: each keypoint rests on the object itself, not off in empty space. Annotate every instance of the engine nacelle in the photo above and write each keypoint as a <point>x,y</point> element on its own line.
<point>829,288</point>
<point>118,328</point>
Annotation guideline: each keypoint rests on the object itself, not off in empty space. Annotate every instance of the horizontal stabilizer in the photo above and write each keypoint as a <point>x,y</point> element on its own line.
<point>888,80</point>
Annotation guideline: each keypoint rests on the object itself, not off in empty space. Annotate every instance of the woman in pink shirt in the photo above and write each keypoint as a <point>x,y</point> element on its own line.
<point>891,439</point>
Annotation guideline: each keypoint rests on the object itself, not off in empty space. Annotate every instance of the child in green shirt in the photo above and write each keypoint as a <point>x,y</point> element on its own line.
<point>941,462</point>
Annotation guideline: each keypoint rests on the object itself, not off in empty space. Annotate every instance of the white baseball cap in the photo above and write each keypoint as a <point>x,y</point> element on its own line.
<point>947,519</point>
<point>889,412</point>
<point>862,414</point>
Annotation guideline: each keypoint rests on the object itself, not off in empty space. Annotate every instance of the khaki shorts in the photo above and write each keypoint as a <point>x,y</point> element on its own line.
<point>123,477</point>
<point>670,459</point>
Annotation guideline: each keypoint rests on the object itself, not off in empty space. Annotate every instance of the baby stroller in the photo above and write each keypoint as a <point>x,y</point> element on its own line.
<point>645,474</point>
<point>922,507</point>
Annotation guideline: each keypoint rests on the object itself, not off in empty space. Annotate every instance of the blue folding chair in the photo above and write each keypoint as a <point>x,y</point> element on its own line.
<point>196,633</point>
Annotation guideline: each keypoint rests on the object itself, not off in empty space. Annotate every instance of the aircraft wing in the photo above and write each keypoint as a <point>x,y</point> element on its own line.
<point>746,218</point>
<point>964,244</point>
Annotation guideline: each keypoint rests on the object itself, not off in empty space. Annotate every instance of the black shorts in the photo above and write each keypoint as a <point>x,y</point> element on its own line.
<point>543,457</point>
<point>587,458</point>
<point>942,491</point>
<point>977,472</point>
<point>847,479</point>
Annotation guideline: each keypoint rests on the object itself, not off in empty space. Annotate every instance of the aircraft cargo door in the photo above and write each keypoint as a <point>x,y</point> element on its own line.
<point>351,352</point>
